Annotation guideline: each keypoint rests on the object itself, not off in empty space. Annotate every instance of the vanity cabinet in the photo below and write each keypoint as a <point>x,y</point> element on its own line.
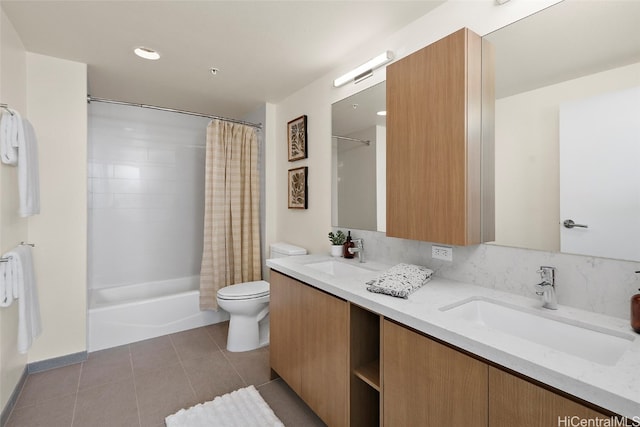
<point>353,367</point>
<point>430,384</point>
<point>516,402</point>
<point>309,344</point>
<point>437,190</point>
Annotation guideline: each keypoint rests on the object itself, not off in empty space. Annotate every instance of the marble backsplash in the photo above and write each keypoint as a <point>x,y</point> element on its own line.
<point>595,284</point>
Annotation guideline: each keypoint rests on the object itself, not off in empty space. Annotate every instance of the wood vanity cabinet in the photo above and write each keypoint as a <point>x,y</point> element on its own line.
<point>426,383</point>
<point>309,344</point>
<point>354,367</point>
<point>439,189</point>
<point>514,401</point>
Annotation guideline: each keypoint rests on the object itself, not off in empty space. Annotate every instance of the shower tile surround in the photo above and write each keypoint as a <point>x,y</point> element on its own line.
<point>146,194</point>
<point>595,284</point>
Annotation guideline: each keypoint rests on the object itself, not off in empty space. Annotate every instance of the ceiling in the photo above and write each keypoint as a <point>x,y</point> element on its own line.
<point>265,50</point>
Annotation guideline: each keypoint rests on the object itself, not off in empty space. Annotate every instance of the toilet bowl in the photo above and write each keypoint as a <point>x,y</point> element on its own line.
<point>248,306</point>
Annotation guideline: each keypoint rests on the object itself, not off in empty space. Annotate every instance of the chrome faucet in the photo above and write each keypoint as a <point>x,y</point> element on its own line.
<point>358,249</point>
<point>547,288</point>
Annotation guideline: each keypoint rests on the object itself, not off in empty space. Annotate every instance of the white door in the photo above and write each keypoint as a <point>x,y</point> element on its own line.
<point>600,175</point>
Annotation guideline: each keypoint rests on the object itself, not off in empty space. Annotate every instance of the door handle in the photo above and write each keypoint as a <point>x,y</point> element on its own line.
<point>568,223</point>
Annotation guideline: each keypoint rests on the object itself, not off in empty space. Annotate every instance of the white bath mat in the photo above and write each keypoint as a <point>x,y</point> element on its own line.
<point>241,408</point>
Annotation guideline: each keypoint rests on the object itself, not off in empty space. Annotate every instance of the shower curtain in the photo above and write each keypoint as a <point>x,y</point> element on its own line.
<point>231,250</point>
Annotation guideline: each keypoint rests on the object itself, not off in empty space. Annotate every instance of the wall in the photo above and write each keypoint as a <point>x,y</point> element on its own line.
<point>527,153</point>
<point>13,229</point>
<point>146,194</point>
<point>592,283</point>
<point>57,108</point>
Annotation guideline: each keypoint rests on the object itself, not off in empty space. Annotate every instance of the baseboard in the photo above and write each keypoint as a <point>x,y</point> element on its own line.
<point>4,417</point>
<point>56,362</point>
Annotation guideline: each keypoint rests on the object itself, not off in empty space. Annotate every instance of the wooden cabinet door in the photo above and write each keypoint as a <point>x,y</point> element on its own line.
<point>434,143</point>
<point>325,369</point>
<point>428,384</point>
<point>285,312</point>
<point>516,402</point>
<point>309,346</point>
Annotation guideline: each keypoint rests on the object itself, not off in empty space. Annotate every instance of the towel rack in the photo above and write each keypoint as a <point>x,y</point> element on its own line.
<point>3,259</point>
<point>6,107</point>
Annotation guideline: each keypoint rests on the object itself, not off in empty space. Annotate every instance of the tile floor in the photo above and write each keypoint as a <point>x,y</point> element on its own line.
<point>141,383</point>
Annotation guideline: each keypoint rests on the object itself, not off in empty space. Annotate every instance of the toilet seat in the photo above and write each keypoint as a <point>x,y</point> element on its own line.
<point>243,291</point>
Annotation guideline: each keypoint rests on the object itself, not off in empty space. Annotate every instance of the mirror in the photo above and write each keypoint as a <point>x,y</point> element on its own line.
<point>551,67</point>
<point>359,160</point>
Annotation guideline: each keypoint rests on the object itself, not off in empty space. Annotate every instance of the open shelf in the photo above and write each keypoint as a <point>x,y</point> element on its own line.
<point>370,374</point>
<point>365,367</point>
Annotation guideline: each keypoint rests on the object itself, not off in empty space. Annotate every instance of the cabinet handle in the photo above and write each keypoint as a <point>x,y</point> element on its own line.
<point>568,223</point>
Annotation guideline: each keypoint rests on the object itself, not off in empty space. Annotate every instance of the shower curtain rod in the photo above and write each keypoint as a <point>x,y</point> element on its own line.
<point>171,110</point>
<point>364,141</point>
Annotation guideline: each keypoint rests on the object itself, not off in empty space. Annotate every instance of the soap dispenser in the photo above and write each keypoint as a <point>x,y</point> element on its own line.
<point>635,311</point>
<point>348,244</point>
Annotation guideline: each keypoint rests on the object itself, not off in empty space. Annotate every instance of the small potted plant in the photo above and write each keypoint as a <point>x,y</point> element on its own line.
<point>337,240</point>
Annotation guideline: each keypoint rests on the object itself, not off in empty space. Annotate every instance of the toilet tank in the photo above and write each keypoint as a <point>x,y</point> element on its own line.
<point>281,249</point>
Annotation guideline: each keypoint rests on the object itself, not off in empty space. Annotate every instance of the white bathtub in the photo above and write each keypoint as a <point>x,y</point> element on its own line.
<point>125,314</point>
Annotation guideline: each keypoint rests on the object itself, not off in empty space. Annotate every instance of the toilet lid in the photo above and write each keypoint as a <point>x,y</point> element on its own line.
<point>245,290</point>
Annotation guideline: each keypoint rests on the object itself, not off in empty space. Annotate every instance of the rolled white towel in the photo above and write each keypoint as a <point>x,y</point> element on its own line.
<point>401,280</point>
<point>10,133</point>
<point>6,284</point>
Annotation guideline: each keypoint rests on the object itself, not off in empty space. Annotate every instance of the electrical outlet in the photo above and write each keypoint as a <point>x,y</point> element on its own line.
<point>444,253</point>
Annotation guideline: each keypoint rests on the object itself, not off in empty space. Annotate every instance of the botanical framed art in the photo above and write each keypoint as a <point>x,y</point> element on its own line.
<point>298,188</point>
<point>297,138</point>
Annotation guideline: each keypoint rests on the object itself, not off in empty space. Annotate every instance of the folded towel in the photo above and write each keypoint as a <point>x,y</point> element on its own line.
<point>400,280</point>
<point>28,175</point>
<point>11,131</point>
<point>19,280</point>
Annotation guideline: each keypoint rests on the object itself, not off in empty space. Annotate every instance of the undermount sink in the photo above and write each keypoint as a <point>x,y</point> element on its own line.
<point>337,268</point>
<point>589,342</point>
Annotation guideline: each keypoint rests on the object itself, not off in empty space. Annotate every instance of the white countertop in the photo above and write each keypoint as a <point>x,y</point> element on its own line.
<point>616,387</point>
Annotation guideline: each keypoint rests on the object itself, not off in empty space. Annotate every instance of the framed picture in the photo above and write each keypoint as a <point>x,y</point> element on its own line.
<point>297,138</point>
<point>298,188</point>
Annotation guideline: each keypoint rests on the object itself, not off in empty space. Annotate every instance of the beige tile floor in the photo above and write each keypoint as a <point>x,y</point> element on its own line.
<point>141,383</point>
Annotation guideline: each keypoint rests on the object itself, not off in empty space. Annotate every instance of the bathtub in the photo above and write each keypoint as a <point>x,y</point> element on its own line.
<point>125,314</point>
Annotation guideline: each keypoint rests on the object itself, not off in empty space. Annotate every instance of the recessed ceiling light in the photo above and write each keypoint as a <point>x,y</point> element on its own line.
<point>146,53</point>
<point>381,113</point>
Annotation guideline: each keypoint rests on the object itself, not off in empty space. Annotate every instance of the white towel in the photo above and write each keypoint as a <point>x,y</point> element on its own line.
<point>7,284</point>
<point>11,131</point>
<point>28,174</point>
<point>19,280</point>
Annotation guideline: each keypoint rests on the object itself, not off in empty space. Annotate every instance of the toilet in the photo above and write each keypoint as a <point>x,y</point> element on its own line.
<point>248,306</point>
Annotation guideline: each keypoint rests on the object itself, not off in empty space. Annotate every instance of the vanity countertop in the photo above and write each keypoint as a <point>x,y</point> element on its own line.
<point>614,387</point>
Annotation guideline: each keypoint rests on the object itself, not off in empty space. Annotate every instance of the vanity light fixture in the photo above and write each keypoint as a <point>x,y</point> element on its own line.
<point>365,70</point>
<point>146,53</point>
<point>382,113</point>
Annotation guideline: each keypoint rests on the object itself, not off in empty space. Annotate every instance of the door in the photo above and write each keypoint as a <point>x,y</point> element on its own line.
<point>600,175</point>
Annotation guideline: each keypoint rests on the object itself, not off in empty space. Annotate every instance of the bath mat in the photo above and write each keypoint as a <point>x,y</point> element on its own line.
<point>241,408</point>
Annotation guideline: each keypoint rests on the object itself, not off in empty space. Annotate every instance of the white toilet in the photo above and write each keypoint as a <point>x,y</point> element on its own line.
<point>248,306</point>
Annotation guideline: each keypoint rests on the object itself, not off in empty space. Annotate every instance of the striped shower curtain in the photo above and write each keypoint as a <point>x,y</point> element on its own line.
<point>231,251</point>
